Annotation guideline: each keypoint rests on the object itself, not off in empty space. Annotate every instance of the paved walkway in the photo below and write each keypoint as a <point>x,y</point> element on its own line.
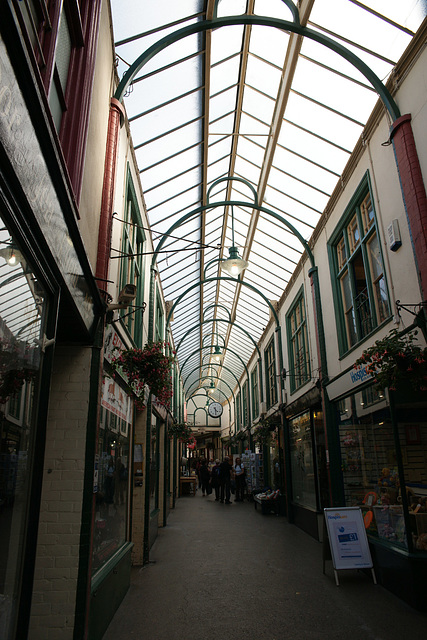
<point>228,572</point>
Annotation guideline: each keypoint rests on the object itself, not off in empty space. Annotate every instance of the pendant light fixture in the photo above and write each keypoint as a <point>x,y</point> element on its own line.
<point>234,264</point>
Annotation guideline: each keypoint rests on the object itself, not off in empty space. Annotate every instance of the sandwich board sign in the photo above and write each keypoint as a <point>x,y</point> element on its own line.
<point>347,540</point>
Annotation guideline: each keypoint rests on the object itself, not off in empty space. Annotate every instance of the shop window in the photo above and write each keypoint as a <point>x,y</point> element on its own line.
<point>299,364</point>
<point>154,466</point>
<point>270,374</point>
<point>255,393</point>
<point>131,267</point>
<point>274,462</point>
<point>370,469</point>
<point>360,290</point>
<point>23,308</point>
<point>112,460</point>
<point>302,461</point>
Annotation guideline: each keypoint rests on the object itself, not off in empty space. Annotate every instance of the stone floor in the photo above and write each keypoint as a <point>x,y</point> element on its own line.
<point>222,571</point>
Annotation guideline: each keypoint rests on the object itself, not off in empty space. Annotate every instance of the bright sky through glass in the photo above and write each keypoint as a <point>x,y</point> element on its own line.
<point>212,105</point>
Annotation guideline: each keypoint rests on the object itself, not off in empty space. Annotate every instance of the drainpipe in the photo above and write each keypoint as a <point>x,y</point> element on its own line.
<point>413,191</point>
<point>115,120</point>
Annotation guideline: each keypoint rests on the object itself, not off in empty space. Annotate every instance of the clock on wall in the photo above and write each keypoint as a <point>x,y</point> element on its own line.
<point>215,409</point>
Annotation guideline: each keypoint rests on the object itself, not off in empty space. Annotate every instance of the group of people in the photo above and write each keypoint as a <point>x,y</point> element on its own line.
<point>221,478</point>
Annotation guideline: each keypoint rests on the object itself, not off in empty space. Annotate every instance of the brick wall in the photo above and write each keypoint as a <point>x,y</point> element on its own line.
<point>414,193</point>
<point>55,581</point>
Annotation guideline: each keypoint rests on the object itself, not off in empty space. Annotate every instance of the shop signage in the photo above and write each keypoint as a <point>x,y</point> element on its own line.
<point>19,138</point>
<point>116,400</point>
<point>112,343</point>
<point>348,382</point>
<point>347,539</point>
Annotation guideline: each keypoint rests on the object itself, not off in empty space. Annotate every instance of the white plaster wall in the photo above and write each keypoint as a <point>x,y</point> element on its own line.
<point>399,266</point>
<point>90,202</point>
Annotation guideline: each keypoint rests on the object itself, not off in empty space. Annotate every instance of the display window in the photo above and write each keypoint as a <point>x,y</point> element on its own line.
<point>112,464</point>
<point>308,460</point>
<point>384,467</point>
<point>154,466</point>
<point>302,461</point>
<point>274,458</point>
<point>22,325</point>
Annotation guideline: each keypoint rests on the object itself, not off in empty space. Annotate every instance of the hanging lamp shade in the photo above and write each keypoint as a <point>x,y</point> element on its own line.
<point>217,354</point>
<point>234,265</point>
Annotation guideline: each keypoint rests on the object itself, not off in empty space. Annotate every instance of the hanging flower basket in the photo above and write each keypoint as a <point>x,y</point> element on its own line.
<point>16,367</point>
<point>191,443</point>
<point>396,360</point>
<point>180,430</point>
<point>262,435</point>
<point>139,404</point>
<point>148,366</point>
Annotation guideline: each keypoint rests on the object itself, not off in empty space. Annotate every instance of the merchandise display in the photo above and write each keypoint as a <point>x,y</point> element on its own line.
<point>370,469</point>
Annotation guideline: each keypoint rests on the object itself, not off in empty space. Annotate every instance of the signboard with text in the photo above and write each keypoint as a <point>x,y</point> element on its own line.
<point>347,538</point>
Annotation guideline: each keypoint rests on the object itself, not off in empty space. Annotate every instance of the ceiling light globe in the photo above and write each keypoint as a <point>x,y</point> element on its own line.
<point>234,265</point>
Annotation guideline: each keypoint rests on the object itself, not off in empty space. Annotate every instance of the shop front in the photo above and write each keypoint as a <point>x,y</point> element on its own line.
<point>383,459</point>
<point>111,543</point>
<point>23,314</point>
<point>307,490</point>
<point>49,308</point>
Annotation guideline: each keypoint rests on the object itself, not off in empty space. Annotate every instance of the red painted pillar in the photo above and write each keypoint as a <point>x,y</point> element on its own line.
<point>105,220</point>
<point>414,192</point>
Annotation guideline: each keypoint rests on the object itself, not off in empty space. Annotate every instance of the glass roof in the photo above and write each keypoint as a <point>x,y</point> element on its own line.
<point>280,111</point>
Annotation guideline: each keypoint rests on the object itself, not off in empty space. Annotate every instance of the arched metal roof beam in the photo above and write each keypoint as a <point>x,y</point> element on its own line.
<point>283,25</point>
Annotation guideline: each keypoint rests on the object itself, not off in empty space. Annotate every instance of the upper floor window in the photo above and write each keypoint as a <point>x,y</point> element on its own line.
<point>238,413</point>
<point>58,86</point>
<point>159,328</point>
<point>270,374</point>
<point>61,36</point>
<point>299,364</point>
<point>255,393</point>
<point>360,290</point>
<point>245,405</point>
<point>131,271</point>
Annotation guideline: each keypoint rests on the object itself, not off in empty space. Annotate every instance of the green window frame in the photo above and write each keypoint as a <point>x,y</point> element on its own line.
<point>255,393</point>
<point>359,283</point>
<point>245,404</point>
<point>159,329</point>
<point>132,262</point>
<point>270,374</point>
<point>297,334</point>
<point>238,413</point>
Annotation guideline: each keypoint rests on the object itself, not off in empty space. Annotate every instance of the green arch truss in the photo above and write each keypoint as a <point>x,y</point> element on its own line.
<point>283,25</point>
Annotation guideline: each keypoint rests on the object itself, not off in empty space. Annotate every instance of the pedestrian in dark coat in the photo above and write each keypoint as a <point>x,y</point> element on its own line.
<point>205,477</point>
<point>215,479</point>
<point>225,480</point>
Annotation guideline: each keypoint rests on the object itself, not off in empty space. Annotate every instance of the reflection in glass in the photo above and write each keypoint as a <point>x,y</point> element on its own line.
<point>113,471</point>
<point>370,467</point>
<point>22,311</point>
<point>302,462</point>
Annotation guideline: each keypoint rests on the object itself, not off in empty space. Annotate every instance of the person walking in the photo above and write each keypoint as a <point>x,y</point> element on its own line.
<point>225,480</point>
<point>204,476</point>
<point>239,476</point>
<point>215,479</point>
